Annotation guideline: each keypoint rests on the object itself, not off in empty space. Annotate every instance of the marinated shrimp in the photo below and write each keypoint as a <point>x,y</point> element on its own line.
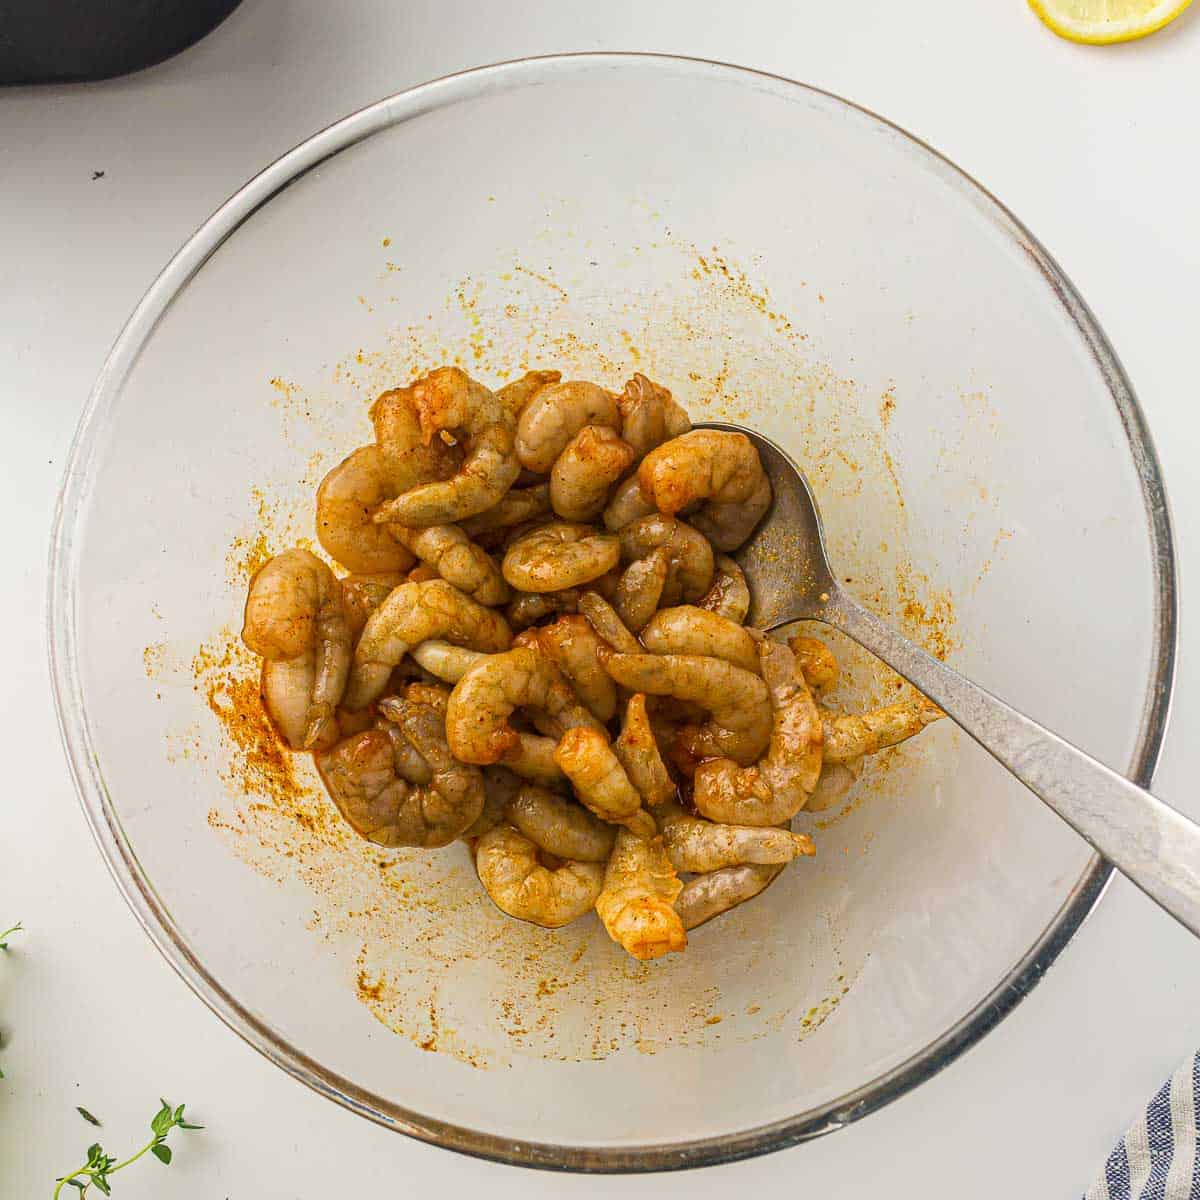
<point>637,751</point>
<point>691,556</point>
<point>604,619</point>
<point>449,400</point>
<point>710,895</point>
<point>632,729</point>
<point>626,505</point>
<point>483,700</point>
<point>585,757</point>
<point>380,805</point>
<point>690,630</point>
<point>414,613</point>
<point>649,415</point>
<point>715,469</point>
<point>560,555</point>
<point>294,619</point>
<point>527,608</point>
<point>572,645</point>
<point>448,550</point>
<point>519,885</point>
<point>816,661</point>
<point>560,826</point>
<point>555,414</point>
<point>739,724</point>
<point>637,902</point>
<point>346,503</point>
<point>363,594</point>
<point>591,462</point>
<point>729,596</point>
<point>517,394</point>
<point>444,660</point>
<point>774,790</point>
<point>694,844</point>
<point>500,785</point>
<point>640,588</point>
<point>850,737</point>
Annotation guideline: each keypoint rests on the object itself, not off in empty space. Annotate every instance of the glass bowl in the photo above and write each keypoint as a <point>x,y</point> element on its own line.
<point>777,256</point>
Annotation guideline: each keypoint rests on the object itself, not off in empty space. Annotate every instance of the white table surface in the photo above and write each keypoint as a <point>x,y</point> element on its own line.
<point>1094,148</point>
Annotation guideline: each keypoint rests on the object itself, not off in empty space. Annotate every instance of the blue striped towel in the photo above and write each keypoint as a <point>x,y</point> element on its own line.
<point>1157,1158</point>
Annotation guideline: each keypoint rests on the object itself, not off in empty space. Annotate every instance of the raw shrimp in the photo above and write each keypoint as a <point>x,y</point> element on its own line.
<point>729,596</point>
<point>360,775</point>
<point>701,846</point>
<point>434,695</point>
<point>720,471</point>
<point>555,414</point>
<point>640,588</point>
<point>421,573</point>
<point>527,608</point>
<point>649,416</point>
<point>444,660</point>
<point>516,395</point>
<point>558,556</point>
<point>636,904</point>
<point>848,737</point>
<point>414,613</point>
<point>572,645</point>
<point>689,630</point>
<point>740,714</point>
<point>691,556</point>
<point>363,594</point>
<point>499,787</point>
<point>638,753</point>
<point>710,895</point>
<point>346,503</point>
<point>294,619</point>
<point>457,560</point>
<point>508,867</point>
<point>406,759</point>
<point>448,399</point>
<point>591,462</point>
<point>816,660</point>
<point>409,457</point>
<point>608,625</point>
<point>517,507</point>
<point>836,780</point>
<point>477,719</point>
<point>560,826</point>
<point>587,760</point>
<point>778,787</point>
<point>626,505</point>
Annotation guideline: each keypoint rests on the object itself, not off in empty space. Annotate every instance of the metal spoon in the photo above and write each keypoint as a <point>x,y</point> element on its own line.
<point>790,580</point>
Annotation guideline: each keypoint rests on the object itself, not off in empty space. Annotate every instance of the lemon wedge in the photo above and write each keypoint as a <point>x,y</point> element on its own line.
<point>1097,22</point>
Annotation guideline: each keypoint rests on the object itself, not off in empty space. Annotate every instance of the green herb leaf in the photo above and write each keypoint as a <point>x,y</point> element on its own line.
<point>102,1184</point>
<point>162,1153</point>
<point>87,1116</point>
<point>17,928</point>
<point>162,1121</point>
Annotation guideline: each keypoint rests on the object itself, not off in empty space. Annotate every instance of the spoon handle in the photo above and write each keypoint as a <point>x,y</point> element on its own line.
<point>1153,844</point>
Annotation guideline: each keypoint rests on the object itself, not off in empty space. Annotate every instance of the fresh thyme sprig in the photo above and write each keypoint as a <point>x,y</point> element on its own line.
<point>99,1166</point>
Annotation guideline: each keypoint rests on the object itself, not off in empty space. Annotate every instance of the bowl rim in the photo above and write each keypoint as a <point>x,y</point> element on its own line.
<point>152,913</point>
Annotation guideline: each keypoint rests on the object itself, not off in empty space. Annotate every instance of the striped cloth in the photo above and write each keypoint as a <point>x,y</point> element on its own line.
<point>1159,1158</point>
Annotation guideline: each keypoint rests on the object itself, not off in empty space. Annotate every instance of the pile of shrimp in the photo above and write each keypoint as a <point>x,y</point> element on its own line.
<point>537,648</point>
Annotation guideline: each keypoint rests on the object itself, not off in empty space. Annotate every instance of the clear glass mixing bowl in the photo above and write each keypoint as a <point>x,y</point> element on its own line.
<point>775,255</point>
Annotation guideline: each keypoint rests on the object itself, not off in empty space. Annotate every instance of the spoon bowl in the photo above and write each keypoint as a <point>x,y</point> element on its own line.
<point>790,577</point>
